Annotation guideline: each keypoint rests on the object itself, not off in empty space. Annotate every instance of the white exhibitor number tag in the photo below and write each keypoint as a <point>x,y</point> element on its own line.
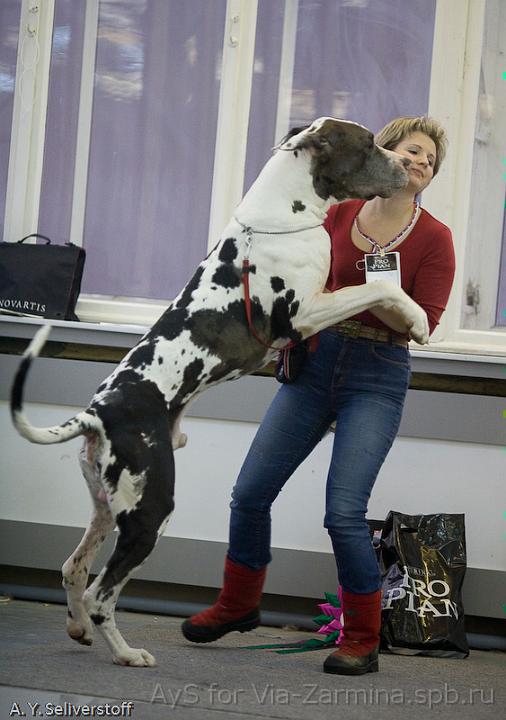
<point>386,267</point>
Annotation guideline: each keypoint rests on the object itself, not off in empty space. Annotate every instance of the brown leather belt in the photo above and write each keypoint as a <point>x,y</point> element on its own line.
<point>356,329</point>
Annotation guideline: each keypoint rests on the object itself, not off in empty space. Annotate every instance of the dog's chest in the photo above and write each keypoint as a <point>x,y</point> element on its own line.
<point>204,337</point>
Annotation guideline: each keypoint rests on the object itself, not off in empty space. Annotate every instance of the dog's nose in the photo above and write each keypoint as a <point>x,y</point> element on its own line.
<point>406,162</point>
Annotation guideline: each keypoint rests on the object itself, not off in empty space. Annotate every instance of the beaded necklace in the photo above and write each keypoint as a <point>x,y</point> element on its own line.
<point>397,239</point>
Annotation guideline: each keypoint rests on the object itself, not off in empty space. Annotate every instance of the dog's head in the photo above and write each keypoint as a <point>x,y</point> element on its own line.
<point>345,161</point>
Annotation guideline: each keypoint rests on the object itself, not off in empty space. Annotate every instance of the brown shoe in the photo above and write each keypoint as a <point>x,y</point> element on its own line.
<point>357,653</point>
<point>237,606</point>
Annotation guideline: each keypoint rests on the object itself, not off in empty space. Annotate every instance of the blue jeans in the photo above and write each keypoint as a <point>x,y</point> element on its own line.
<point>361,385</point>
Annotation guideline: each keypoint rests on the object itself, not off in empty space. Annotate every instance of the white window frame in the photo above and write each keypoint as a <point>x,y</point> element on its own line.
<point>453,99</point>
<point>230,149</point>
<point>485,228</point>
<point>458,38</point>
<point>26,154</point>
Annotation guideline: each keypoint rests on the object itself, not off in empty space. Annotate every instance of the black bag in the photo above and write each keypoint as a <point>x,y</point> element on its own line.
<point>40,280</point>
<point>290,363</point>
<point>423,563</point>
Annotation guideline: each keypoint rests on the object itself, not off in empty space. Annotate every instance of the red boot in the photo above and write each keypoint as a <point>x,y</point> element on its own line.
<point>358,651</point>
<point>235,609</point>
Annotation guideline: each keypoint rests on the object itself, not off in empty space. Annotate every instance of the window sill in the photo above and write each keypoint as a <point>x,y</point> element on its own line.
<point>108,342</point>
<point>458,352</point>
<point>85,333</point>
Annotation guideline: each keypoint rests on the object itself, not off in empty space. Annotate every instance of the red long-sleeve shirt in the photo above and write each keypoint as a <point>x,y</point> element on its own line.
<point>427,261</point>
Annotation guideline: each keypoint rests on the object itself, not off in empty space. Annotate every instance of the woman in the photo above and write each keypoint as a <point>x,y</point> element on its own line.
<point>358,377</point>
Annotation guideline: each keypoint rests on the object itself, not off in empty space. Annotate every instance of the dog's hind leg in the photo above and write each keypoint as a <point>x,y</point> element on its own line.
<point>75,573</point>
<point>140,522</point>
<point>76,569</point>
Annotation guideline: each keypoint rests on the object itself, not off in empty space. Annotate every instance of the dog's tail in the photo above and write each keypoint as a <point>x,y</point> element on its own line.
<point>83,422</point>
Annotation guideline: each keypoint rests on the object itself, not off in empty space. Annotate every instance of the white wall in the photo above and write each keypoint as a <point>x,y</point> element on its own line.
<point>42,484</point>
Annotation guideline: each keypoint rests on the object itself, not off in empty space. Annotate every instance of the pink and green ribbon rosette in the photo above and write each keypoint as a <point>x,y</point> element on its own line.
<point>330,623</point>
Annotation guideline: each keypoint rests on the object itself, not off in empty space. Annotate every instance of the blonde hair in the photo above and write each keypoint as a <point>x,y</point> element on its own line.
<point>397,130</point>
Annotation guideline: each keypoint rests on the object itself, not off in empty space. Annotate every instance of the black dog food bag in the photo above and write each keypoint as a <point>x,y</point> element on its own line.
<point>423,563</point>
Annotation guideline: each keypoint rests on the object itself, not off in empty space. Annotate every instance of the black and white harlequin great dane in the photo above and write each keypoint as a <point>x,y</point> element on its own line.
<point>131,425</point>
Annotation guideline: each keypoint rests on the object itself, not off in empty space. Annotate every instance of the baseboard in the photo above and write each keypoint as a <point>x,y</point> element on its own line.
<point>199,563</point>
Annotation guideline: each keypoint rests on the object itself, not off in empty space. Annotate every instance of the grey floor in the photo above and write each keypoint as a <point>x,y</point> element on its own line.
<point>40,665</point>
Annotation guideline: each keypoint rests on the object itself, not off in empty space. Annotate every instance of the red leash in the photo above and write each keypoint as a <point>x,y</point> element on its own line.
<point>247,300</point>
<point>313,341</point>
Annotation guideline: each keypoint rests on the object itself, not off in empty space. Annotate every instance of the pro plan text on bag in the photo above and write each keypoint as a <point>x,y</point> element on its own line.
<point>40,280</point>
<point>423,563</point>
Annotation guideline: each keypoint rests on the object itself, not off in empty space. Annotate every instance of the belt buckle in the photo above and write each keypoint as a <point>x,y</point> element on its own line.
<point>352,328</point>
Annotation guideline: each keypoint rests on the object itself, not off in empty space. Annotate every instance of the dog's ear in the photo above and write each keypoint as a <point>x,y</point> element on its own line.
<point>291,133</point>
<point>322,144</point>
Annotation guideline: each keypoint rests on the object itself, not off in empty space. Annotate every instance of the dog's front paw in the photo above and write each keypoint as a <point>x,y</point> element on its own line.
<point>419,330</point>
<point>135,657</point>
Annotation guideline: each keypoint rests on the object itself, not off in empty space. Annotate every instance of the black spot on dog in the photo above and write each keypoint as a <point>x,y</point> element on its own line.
<point>160,360</point>
<point>19,381</point>
<point>190,382</point>
<point>142,356</point>
<point>280,321</point>
<point>171,323</point>
<point>277,284</point>
<point>294,308</point>
<point>290,294</point>
<point>187,294</point>
<point>228,251</point>
<point>97,619</point>
<point>227,276</point>
<point>298,206</point>
<point>225,334</point>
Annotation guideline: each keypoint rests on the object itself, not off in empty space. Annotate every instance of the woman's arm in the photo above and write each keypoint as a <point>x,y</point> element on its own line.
<point>432,285</point>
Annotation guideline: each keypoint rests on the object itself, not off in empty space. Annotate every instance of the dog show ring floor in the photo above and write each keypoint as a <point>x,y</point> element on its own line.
<point>44,674</point>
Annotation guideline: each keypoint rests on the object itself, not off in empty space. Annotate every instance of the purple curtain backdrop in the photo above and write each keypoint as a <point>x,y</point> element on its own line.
<point>155,111</point>
<point>61,121</point>
<point>152,146</point>
<point>368,62</point>
<point>10,11</point>
<point>264,88</point>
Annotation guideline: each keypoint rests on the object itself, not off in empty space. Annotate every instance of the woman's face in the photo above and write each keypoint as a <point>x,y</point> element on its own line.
<point>421,150</point>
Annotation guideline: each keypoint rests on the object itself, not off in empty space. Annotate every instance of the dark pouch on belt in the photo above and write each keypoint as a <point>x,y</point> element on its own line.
<point>290,363</point>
